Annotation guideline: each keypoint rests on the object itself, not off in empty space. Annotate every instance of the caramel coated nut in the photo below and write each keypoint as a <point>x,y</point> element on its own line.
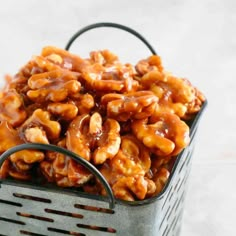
<point>133,157</point>
<point>27,156</point>
<point>65,111</point>
<point>9,137</point>
<point>176,95</point>
<point>152,63</point>
<point>84,102</point>
<point>4,170</point>
<point>67,60</point>
<point>128,187</point>
<point>77,137</point>
<point>160,179</point>
<point>53,86</point>
<point>108,143</point>
<point>164,135</point>
<point>36,135</point>
<point>44,64</point>
<point>104,57</point>
<point>11,107</point>
<point>65,171</point>
<point>42,119</point>
<point>21,175</point>
<point>111,78</point>
<point>86,133</point>
<point>136,105</point>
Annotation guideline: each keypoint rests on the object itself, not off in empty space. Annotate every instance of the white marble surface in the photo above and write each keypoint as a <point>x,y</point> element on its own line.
<point>196,39</point>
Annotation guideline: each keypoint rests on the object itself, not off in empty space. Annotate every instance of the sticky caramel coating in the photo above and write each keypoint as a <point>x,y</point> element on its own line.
<point>84,102</point>
<point>164,135</point>
<point>11,108</point>
<point>126,171</point>
<point>135,105</point>
<point>133,157</point>
<point>108,143</point>
<point>106,73</point>
<point>78,138</point>
<point>4,170</point>
<point>9,137</point>
<point>42,119</point>
<point>53,86</point>
<point>23,159</point>
<point>176,95</point>
<point>152,63</point>
<point>64,58</point>
<point>63,170</point>
<point>87,132</point>
<point>160,180</point>
<point>126,187</point>
<point>65,111</point>
<point>103,57</point>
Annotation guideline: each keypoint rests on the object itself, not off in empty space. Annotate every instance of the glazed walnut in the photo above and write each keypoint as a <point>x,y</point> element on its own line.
<point>164,135</point>
<point>126,171</point>
<point>11,107</point>
<point>176,95</point>
<point>61,169</point>
<point>87,132</point>
<point>50,129</point>
<point>53,86</point>
<point>136,105</point>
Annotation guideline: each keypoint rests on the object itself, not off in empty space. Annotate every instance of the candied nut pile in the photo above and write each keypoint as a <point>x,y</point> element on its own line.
<point>127,120</point>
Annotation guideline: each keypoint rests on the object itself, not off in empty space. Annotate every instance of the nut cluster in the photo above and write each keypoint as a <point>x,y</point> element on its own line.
<point>128,121</point>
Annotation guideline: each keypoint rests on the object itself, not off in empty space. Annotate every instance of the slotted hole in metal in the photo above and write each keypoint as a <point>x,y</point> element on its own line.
<point>184,163</point>
<point>12,221</point>
<point>176,222</point>
<point>33,198</point>
<point>31,233</point>
<point>169,228</point>
<point>65,232</point>
<point>176,185</point>
<point>166,228</point>
<point>182,182</point>
<point>34,216</point>
<point>99,228</point>
<point>173,223</point>
<point>172,194</point>
<point>172,208</point>
<point>179,201</point>
<point>10,203</point>
<point>164,217</point>
<point>3,235</point>
<point>167,197</point>
<point>63,213</point>
<point>188,158</point>
<point>92,208</point>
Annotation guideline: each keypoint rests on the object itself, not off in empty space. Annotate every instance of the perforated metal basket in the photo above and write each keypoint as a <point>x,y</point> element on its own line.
<point>27,209</point>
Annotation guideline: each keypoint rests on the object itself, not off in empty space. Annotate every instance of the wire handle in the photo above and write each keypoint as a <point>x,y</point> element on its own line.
<point>113,25</point>
<point>77,158</point>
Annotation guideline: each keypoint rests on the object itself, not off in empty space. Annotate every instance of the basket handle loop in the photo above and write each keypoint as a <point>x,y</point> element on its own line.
<point>77,158</point>
<point>113,25</point>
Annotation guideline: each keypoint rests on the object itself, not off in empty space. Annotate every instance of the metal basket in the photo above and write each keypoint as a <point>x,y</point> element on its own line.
<point>29,209</point>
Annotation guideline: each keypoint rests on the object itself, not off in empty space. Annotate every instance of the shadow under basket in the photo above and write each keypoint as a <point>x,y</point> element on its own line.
<point>30,209</point>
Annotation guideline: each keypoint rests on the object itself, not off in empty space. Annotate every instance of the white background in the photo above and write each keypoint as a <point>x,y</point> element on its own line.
<point>196,39</point>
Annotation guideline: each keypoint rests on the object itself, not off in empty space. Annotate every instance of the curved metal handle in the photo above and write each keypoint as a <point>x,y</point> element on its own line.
<point>77,158</point>
<point>113,25</point>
